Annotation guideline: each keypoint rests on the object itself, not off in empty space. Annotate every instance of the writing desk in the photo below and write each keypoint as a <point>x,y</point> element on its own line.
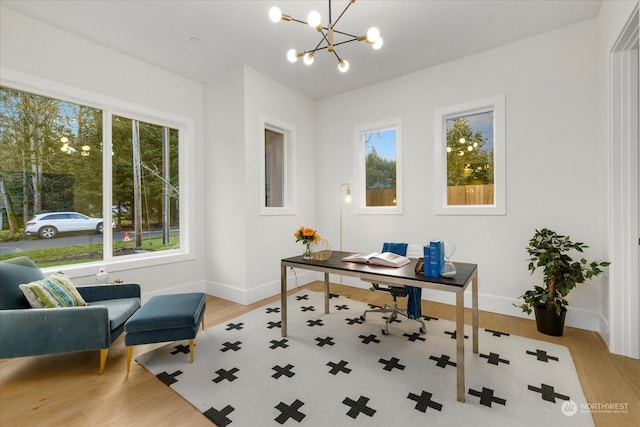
<point>405,275</point>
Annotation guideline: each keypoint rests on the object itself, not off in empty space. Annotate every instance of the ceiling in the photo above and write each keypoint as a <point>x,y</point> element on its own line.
<point>417,34</point>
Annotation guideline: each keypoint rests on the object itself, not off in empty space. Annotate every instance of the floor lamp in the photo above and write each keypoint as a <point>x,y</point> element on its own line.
<point>346,199</point>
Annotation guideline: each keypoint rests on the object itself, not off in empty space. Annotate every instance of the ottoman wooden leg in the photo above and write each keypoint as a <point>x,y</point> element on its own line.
<point>191,349</point>
<point>203,322</point>
<point>103,359</point>
<point>129,352</point>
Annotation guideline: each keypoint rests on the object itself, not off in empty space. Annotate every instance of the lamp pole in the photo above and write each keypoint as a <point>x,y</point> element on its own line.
<point>347,199</point>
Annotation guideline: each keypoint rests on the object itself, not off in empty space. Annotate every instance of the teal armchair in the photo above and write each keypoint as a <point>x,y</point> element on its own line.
<point>26,331</point>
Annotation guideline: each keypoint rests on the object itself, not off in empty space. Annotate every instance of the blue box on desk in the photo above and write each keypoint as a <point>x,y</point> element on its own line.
<point>436,258</point>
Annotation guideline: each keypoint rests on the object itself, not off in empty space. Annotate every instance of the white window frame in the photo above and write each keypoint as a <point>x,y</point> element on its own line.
<point>290,170</point>
<point>112,106</point>
<point>495,104</point>
<point>361,176</point>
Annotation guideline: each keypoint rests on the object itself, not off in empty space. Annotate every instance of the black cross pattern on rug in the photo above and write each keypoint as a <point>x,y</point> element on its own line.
<point>168,379</point>
<point>548,393</point>
<point>497,333</point>
<point>454,335</point>
<point>219,418</point>
<point>180,349</point>
<point>270,310</point>
<point>429,318</point>
<point>342,307</point>
<point>223,374</point>
<point>283,370</point>
<point>423,402</point>
<point>358,407</point>
<point>494,359</point>
<point>338,367</point>
<point>486,397</point>
<point>367,339</point>
<point>302,297</point>
<point>279,344</point>
<point>414,337</point>
<point>542,356</point>
<point>333,295</point>
<point>396,320</point>
<point>324,341</point>
<point>307,308</point>
<point>232,326</point>
<point>271,325</point>
<point>442,361</point>
<point>391,363</point>
<point>317,322</point>
<point>289,411</point>
<point>235,346</point>
<point>354,321</point>
<point>374,306</point>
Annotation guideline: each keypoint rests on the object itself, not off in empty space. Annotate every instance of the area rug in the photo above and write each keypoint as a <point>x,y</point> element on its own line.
<point>337,370</point>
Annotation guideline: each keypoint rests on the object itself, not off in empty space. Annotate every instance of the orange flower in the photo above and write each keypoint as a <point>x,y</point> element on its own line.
<point>306,235</point>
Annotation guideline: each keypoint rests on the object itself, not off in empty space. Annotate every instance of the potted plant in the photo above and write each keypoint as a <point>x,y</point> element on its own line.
<point>549,251</point>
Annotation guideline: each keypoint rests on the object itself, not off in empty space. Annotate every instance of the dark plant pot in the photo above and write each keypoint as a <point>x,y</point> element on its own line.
<point>548,322</point>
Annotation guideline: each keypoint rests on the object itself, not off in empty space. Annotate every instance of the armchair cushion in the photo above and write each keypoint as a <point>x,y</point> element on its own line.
<point>54,291</point>
<point>13,272</point>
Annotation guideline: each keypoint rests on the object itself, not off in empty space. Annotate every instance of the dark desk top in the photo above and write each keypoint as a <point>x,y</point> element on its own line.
<point>462,277</point>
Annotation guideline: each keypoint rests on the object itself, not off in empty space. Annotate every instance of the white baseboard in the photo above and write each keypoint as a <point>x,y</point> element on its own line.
<point>576,317</point>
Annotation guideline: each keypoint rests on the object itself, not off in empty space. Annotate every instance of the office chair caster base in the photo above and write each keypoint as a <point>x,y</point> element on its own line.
<point>423,331</point>
<point>385,331</point>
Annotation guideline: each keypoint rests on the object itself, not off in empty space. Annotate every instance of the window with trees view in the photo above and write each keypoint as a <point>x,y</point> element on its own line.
<point>379,148</point>
<point>470,157</point>
<point>54,205</point>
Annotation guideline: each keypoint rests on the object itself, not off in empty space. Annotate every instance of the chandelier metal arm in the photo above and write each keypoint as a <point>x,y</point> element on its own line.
<point>345,9</point>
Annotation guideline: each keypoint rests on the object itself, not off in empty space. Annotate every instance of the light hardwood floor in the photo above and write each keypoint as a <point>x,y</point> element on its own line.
<point>67,390</point>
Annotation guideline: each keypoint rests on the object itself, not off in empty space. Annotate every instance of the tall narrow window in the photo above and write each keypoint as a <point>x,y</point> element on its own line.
<point>273,168</point>
<point>379,158</point>
<point>277,167</point>
<point>469,160</point>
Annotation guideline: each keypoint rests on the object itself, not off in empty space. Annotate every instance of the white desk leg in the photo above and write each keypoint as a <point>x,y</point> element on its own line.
<point>460,343</point>
<point>283,300</point>
<point>326,293</point>
<point>474,309</point>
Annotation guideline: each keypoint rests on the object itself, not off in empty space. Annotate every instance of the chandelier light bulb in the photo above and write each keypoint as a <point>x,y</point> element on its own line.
<point>343,66</point>
<point>292,55</point>
<point>275,14</point>
<point>373,35</point>
<point>313,19</point>
<point>308,58</point>
<point>377,44</point>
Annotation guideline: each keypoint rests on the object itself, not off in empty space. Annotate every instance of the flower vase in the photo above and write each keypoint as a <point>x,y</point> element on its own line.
<point>307,251</point>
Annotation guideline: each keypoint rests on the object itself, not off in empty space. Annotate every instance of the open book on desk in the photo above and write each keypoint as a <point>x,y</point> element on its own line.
<point>385,259</point>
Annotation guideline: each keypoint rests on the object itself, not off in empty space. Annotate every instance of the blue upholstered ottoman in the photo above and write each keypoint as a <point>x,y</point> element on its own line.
<point>165,318</point>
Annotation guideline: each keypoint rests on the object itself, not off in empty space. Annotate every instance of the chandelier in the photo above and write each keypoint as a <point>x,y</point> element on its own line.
<point>328,36</point>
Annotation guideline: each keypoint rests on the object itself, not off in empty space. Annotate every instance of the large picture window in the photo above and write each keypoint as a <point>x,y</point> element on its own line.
<point>469,158</point>
<point>60,205</point>
<point>379,156</point>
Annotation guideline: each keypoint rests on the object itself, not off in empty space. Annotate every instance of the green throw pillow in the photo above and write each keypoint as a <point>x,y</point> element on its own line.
<point>52,292</point>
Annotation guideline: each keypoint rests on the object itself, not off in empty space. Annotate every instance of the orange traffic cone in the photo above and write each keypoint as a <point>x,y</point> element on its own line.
<point>126,237</point>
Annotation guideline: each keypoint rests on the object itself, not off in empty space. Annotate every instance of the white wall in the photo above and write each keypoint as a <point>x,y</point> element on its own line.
<point>243,247</point>
<point>556,177</point>
<point>77,67</point>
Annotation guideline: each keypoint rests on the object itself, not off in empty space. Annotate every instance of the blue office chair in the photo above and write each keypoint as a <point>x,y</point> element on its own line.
<point>413,310</point>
